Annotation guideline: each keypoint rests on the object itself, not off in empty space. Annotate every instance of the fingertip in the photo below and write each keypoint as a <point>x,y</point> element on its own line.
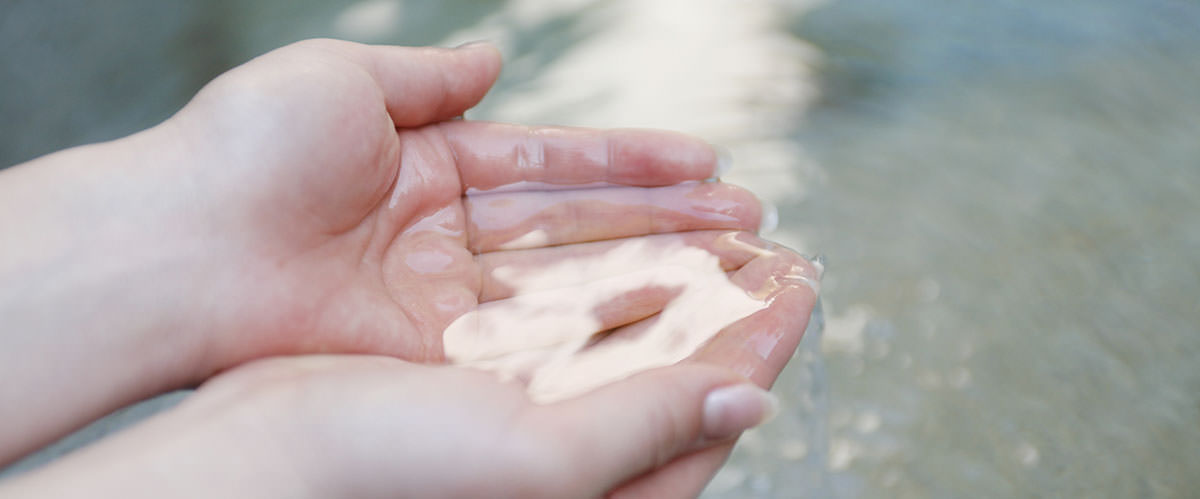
<point>468,73</point>
<point>770,217</point>
<point>473,43</point>
<point>658,157</point>
<point>724,161</point>
<point>427,84</point>
<point>748,208</point>
<point>730,410</point>
<point>492,59</point>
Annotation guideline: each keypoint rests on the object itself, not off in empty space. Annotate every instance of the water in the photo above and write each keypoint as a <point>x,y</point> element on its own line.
<point>1010,212</point>
<point>1008,195</point>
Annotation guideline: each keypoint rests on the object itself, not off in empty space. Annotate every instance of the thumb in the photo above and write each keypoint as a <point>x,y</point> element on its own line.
<point>625,429</point>
<point>423,85</point>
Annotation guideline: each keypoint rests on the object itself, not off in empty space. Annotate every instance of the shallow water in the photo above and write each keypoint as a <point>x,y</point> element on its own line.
<point>1010,209</point>
<point>1007,194</point>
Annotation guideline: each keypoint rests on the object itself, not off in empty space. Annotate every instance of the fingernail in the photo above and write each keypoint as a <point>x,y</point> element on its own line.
<point>770,217</point>
<point>731,410</point>
<point>473,44</point>
<point>724,160</point>
<point>818,262</point>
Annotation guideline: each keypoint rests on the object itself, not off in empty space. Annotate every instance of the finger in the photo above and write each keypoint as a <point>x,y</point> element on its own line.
<point>686,476</point>
<point>760,345</point>
<point>757,347</point>
<point>529,219</point>
<point>423,85</point>
<point>641,423</point>
<point>492,155</point>
<point>504,273</point>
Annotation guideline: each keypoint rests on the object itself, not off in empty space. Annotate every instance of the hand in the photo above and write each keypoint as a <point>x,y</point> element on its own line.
<point>311,200</point>
<point>359,426</point>
<point>760,299</point>
<point>358,292</point>
<point>352,426</point>
<point>331,193</point>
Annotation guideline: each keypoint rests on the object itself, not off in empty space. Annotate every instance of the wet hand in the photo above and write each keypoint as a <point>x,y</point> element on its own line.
<point>362,426</point>
<point>342,212</point>
<point>317,199</point>
<point>374,223</point>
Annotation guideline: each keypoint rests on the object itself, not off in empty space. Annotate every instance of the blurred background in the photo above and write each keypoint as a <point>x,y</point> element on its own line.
<point>1007,194</point>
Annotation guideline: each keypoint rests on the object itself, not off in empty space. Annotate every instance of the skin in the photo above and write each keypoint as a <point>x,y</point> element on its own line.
<point>281,213</point>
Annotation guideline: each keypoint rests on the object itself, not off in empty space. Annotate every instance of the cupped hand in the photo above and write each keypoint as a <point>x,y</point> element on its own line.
<point>340,211</point>
<point>322,198</point>
<point>365,426</point>
<point>358,216</point>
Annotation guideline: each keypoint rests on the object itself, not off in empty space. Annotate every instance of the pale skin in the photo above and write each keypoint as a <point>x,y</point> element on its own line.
<point>276,217</point>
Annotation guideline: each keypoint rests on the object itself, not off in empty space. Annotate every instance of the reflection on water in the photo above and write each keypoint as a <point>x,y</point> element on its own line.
<point>1007,193</point>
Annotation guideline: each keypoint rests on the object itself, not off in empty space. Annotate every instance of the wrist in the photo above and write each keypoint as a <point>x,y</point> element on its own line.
<point>193,450</point>
<point>89,298</point>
